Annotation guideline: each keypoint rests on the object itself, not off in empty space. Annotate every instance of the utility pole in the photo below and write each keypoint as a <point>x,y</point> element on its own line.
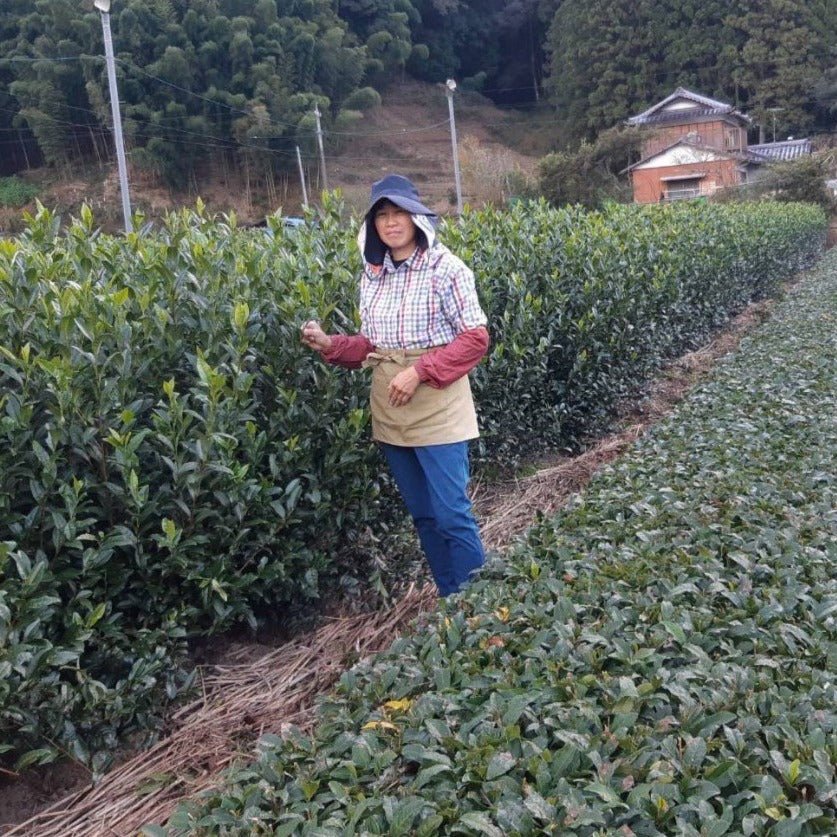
<point>450,86</point>
<point>320,144</point>
<point>302,179</point>
<point>773,112</point>
<point>104,7</point>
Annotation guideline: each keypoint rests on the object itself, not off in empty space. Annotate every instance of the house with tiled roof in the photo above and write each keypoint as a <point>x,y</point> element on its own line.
<point>695,145</point>
<point>790,149</point>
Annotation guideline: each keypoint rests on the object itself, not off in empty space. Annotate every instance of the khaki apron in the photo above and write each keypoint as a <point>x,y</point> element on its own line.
<point>431,417</point>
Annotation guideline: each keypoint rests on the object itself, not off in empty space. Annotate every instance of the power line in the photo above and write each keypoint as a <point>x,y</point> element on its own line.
<point>160,131</point>
<point>271,121</point>
<point>197,95</point>
<point>388,131</point>
<point>328,132</point>
<point>146,130</point>
<point>156,131</point>
<point>32,59</point>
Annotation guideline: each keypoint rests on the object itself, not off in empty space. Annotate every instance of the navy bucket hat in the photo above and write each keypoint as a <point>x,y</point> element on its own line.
<point>398,190</point>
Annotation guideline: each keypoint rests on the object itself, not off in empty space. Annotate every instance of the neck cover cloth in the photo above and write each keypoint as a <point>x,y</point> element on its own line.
<point>400,191</point>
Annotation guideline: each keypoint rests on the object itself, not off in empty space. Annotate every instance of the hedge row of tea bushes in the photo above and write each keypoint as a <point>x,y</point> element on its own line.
<point>173,461</point>
<point>583,305</point>
<point>659,658</point>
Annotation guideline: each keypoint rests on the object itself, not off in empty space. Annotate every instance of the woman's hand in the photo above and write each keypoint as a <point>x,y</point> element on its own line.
<point>403,386</point>
<point>314,337</point>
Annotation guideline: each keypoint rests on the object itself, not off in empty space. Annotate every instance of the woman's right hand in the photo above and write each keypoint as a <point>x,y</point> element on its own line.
<point>314,337</point>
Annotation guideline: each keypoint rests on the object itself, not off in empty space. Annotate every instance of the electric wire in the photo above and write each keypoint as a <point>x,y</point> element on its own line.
<point>224,145</point>
<point>163,132</point>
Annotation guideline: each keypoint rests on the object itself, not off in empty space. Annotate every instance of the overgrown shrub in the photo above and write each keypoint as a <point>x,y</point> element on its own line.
<point>804,180</point>
<point>363,99</point>
<point>489,175</point>
<point>590,174</point>
<point>173,461</point>
<point>15,192</point>
<point>792,181</point>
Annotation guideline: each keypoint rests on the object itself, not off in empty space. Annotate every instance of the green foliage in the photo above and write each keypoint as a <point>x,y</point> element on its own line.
<point>657,659</point>
<point>825,94</point>
<point>591,175</point>
<point>483,43</point>
<point>189,76</point>
<point>16,192</point>
<point>582,306</point>
<point>783,54</point>
<point>188,72</point>
<point>348,119</point>
<point>608,60</point>
<point>366,98</point>
<point>174,462</point>
<point>803,180</point>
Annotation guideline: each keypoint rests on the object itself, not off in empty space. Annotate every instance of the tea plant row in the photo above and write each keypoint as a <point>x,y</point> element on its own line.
<point>173,462</point>
<point>659,658</point>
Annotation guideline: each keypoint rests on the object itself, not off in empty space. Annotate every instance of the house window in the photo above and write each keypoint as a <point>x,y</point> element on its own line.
<point>682,189</point>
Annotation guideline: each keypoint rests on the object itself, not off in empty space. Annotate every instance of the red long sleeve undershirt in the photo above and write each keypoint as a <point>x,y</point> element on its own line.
<point>438,368</point>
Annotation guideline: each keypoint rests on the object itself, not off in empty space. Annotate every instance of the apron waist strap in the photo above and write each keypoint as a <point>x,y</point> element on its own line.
<point>403,357</point>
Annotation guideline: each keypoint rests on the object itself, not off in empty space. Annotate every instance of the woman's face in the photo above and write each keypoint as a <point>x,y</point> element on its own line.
<point>396,229</point>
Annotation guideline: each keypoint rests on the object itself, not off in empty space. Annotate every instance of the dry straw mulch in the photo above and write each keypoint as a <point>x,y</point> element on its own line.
<point>244,698</point>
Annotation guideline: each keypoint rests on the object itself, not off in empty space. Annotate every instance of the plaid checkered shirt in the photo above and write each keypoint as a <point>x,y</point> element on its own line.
<point>426,301</point>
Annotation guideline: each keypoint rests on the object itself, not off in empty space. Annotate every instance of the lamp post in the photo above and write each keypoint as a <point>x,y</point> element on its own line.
<point>104,7</point>
<point>450,86</point>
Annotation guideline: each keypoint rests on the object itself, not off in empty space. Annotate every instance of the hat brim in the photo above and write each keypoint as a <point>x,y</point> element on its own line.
<point>413,207</point>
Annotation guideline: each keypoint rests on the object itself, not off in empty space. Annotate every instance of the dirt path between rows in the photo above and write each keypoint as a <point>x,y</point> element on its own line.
<point>260,689</point>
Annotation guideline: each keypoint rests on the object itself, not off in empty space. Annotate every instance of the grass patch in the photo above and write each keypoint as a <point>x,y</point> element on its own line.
<point>15,192</point>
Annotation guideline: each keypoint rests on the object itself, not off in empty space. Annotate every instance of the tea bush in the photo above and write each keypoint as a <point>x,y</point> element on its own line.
<point>173,461</point>
<point>584,305</point>
<point>657,659</point>
<point>172,458</point>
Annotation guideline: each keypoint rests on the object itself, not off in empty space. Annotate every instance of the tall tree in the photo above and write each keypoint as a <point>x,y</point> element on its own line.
<point>198,78</point>
<point>48,81</point>
<point>603,59</point>
<point>783,55</point>
<point>522,32</point>
<point>17,146</point>
<point>610,58</point>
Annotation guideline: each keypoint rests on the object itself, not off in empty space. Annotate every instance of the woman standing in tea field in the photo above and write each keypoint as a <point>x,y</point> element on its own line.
<point>422,331</point>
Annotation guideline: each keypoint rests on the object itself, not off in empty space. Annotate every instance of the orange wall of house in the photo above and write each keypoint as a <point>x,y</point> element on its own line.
<point>713,134</point>
<point>649,186</point>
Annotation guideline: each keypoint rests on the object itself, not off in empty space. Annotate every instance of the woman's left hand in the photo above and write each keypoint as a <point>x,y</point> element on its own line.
<point>403,386</point>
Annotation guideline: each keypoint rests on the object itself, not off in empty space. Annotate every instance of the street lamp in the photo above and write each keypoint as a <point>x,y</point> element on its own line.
<point>104,7</point>
<point>450,86</point>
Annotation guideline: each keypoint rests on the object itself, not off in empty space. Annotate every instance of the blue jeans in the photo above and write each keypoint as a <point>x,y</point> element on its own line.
<point>433,481</point>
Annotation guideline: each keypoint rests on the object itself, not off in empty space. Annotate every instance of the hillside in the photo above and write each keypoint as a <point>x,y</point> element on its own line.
<point>409,133</point>
<point>491,149</point>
